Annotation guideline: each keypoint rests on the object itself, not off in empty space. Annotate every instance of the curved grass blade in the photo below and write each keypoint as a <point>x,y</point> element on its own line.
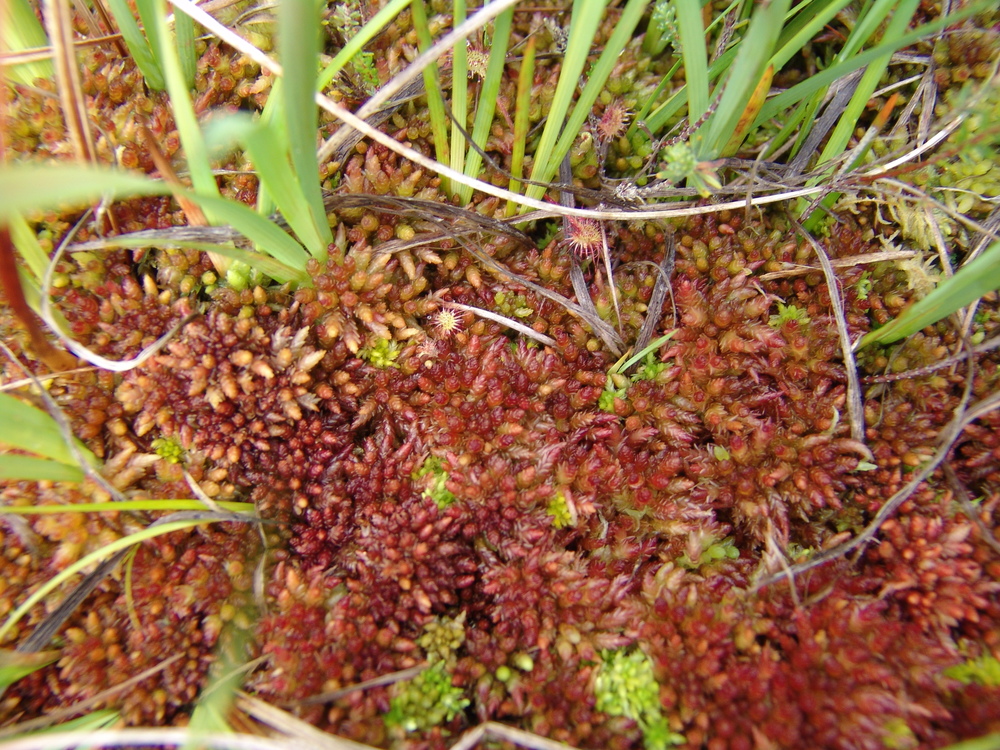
<point>137,45</point>
<point>29,468</point>
<point>585,21</point>
<point>298,43</point>
<point>30,188</point>
<point>969,283</point>
<point>33,430</point>
<point>488,100</point>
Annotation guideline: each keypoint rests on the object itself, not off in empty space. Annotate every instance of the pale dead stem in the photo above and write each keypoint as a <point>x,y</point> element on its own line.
<point>855,408</point>
<point>74,105</point>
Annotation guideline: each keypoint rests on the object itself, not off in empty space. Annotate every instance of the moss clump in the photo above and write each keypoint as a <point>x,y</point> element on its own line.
<point>436,489</point>
<point>425,701</point>
<point>982,671</point>
<point>625,686</point>
<point>169,449</point>
<point>382,354</point>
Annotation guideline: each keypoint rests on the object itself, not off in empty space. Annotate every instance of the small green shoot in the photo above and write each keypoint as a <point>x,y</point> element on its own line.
<point>425,701</point>
<point>864,286</point>
<point>982,671</point>
<point>513,305</point>
<point>437,489</point>
<point>625,686</point>
<point>382,354</point>
<point>617,383</point>
<point>712,551</point>
<point>559,510</point>
<point>169,449</point>
<point>786,314</point>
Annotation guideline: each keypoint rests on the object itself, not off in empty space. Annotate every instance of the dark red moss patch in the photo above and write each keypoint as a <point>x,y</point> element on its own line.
<point>561,530</point>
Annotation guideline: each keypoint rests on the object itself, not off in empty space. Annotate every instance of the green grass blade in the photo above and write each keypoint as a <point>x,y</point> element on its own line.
<point>662,114</point>
<point>33,430</point>
<point>596,80</point>
<point>21,30</point>
<point>586,19</point>
<point>184,34</point>
<point>745,73</point>
<point>691,31</point>
<point>271,163</point>
<point>459,95</point>
<point>26,242</point>
<point>971,282</point>
<point>137,44</point>
<point>83,563</point>
<point>152,14</point>
<point>298,43</point>
<point>525,78</point>
<point>128,505</point>
<point>266,235</point>
<point>486,107</point>
<point>357,42</point>
<point>32,188</point>
<point>195,151</point>
<point>824,78</point>
<point>14,665</point>
<point>432,86</point>
<point>266,264</point>
<point>29,468</point>
<point>803,28</point>
<point>899,15</point>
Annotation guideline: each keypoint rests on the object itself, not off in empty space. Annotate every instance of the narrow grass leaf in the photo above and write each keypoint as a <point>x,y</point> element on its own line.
<point>267,265</point>
<point>745,75</point>
<point>270,160</point>
<point>647,105</point>
<point>102,553</point>
<point>150,11</point>
<point>486,107</point>
<point>32,188</point>
<point>899,15</point>
<point>432,86</point>
<point>138,45</point>
<point>459,95</point>
<point>810,19</point>
<point>14,665</point>
<point>663,114</point>
<point>20,29</point>
<point>970,282</point>
<point>26,242</point>
<point>585,21</point>
<point>749,113</point>
<point>266,235</point>
<point>824,78</point>
<point>596,80</point>
<point>33,430</point>
<point>298,43</point>
<point>195,151</point>
<point>691,30</point>
<point>525,80</point>
<point>184,34</point>
<point>31,469</point>
<point>100,719</point>
<point>123,505</point>
<point>358,41</point>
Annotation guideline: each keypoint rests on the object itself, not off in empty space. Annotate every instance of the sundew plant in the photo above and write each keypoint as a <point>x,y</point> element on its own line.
<point>415,372</point>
